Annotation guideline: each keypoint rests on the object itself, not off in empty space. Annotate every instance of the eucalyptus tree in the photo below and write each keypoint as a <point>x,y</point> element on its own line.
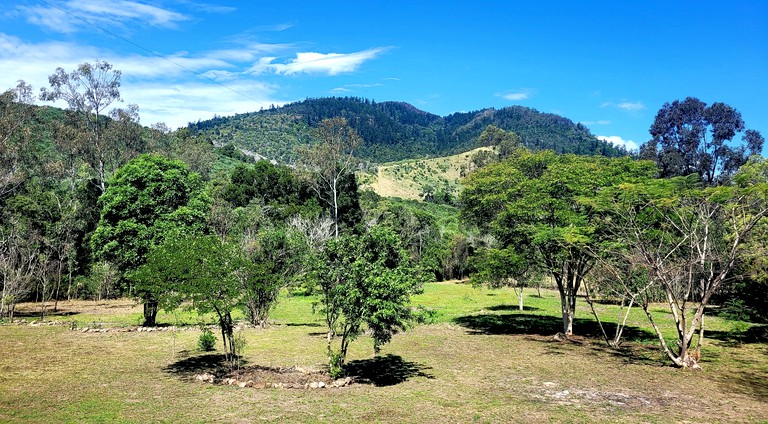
<point>88,91</point>
<point>15,113</point>
<point>691,137</point>
<point>330,164</point>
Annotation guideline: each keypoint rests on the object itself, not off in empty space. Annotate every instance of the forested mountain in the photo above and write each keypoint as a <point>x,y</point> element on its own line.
<point>396,130</point>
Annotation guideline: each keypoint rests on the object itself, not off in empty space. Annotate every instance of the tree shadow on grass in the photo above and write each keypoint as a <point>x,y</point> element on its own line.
<point>530,324</point>
<point>212,363</point>
<point>511,308</point>
<point>754,334</point>
<point>30,313</point>
<point>386,370</point>
<point>300,324</point>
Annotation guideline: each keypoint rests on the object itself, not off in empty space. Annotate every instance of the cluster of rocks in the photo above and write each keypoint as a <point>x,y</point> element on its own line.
<point>125,329</point>
<point>38,323</point>
<point>210,378</point>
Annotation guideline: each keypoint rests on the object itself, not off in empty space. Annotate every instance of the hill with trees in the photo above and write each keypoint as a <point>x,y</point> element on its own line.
<point>395,131</point>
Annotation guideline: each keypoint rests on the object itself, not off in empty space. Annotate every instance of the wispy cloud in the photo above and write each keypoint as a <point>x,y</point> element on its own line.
<point>631,106</point>
<point>348,88</point>
<point>625,105</point>
<point>318,63</point>
<point>522,94</point>
<point>70,16</point>
<point>630,145</point>
<point>599,122</point>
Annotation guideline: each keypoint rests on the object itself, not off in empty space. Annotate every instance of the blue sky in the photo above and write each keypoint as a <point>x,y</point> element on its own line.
<point>608,64</point>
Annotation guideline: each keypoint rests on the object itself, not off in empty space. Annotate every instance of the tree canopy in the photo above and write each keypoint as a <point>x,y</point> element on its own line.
<point>529,203</point>
<point>691,137</point>
<point>149,199</point>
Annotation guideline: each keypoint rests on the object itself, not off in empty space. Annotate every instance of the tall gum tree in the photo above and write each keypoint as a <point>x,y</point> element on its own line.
<point>330,161</point>
<point>89,90</point>
<point>528,202</point>
<point>691,137</point>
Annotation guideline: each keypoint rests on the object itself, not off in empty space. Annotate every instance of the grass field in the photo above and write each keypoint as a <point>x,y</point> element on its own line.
<point>481,360</point>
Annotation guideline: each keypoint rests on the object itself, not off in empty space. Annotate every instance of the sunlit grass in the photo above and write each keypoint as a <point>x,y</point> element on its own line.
<point>481,360</point>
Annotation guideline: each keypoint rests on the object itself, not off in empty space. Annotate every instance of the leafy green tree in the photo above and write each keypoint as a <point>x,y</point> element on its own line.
<point>201,269</point>
<point>529,203</point>
<point>273,186</point>
<point>276,258</point>
<point>501,267</point>
<point>690,137</point>
<point>365,281</point>
<point>148,200</point>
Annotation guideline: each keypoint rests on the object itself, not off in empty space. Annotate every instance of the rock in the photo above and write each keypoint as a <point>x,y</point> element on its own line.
<point>260,385</point>
<point>313,385</point>
<point>560,337</point>
<point>342,382</point>
<point>320,384</point>
<point>84,330</point>
<point>205,377</point>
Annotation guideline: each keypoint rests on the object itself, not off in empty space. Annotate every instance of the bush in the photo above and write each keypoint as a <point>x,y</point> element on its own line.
<point>207,341</point>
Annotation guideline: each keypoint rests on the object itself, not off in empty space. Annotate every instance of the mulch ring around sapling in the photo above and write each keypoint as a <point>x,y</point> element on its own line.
<point>260,377</point>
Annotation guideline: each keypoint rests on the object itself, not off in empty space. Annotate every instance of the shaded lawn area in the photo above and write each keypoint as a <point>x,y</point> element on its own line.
<point>480,361</point>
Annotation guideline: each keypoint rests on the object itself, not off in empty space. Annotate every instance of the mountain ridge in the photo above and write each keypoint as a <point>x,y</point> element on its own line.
<point>396,130</point>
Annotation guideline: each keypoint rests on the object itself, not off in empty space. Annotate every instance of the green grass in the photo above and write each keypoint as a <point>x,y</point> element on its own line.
<point>480,361</point>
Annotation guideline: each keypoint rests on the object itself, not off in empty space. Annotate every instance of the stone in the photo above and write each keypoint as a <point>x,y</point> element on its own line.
<point>342,382</point>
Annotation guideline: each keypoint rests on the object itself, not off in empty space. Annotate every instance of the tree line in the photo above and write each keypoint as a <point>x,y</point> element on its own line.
<point>94,205</point>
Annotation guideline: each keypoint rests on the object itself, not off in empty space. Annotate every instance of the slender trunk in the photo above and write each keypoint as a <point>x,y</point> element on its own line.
<point>597,318</point>
<point>520,300</point>
<point>663,342</point>
<point>335,208</point>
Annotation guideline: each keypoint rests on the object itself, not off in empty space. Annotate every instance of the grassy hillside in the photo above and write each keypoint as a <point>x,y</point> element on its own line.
<point>410,179</point>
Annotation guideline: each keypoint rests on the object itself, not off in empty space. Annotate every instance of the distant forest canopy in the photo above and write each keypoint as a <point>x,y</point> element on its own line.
<point>395,131</point>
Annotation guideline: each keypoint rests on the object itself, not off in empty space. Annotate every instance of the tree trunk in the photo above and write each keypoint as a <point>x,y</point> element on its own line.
<point>567,322</point>
<point>150,313</point>
<point>520,300</point>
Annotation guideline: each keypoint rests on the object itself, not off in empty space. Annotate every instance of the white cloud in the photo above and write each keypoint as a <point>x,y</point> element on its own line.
<point>318,63</point>
<point>72,15</point>
<point>178,104</point>
<point>631,106</point>
<point>624,105</point>
<point>348,88</point>
<point>164,91</point>
<point>521,94</point>
<point>620,142</point>
<point>599,122</point>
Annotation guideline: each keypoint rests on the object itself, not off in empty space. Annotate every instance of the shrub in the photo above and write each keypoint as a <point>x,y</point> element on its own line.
<point>207,341</point>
